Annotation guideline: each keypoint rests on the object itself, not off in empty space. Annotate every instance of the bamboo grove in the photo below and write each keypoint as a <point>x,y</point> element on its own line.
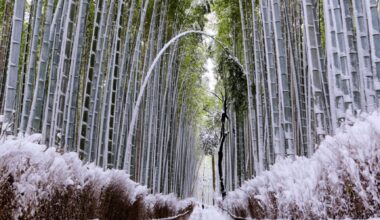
<point>72,70</point>
<point>310,65</point>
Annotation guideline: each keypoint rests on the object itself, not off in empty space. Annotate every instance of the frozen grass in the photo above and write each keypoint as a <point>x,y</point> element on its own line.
<point>342,179</point>
<point>39,183</point>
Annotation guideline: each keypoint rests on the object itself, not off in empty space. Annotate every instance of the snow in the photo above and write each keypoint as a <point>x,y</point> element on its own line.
<point>203,186</point>
<point>37,173</point>
<point>206,213</point>
<point>340,180</point>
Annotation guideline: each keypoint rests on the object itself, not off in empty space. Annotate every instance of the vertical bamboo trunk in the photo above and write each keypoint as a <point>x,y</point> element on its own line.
<point>13,64</point>
<point>57,131</point>
<point>161,103</point>
<point>251,112</point>
<point>148,57</point>
<point>30,73</point>
<point>127,151</point>
<point>71,96</point>
<point>283,78</point>
<point>84,143</point>
<point>339,33</point>
<point>57,42</point>
<point>314,74</point>
<point>373,20</point>
<point>25,45</point>
<point>117,134</point>
<point>6,33</point>
<point>108,94</point>
<point>272,79</point>
<point>97,87</point>
<point>35,118</point>
<point>350,52</point>
<point>364,56</point>
<point>258,85</point>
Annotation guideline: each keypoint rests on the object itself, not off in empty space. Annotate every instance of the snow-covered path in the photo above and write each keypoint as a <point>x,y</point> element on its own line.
<point>204,192</point>
<point>209,212</point>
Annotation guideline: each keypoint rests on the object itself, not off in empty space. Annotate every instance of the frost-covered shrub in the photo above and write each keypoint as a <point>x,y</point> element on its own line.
<point>342,179</point>
<point>39,183</point>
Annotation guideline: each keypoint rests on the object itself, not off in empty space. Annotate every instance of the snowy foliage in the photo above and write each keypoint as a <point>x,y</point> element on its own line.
<point>210,140</point>
<point>342,179</point>
<point>37,182</point>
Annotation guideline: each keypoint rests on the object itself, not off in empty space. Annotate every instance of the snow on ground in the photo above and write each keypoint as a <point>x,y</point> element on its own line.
<point>204,192</point>
<point>39,183</point>
<point>207,213</point>
<point>342,179</point>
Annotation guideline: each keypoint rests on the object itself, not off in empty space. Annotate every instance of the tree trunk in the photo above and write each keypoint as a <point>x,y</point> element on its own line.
<point>13,64</point>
